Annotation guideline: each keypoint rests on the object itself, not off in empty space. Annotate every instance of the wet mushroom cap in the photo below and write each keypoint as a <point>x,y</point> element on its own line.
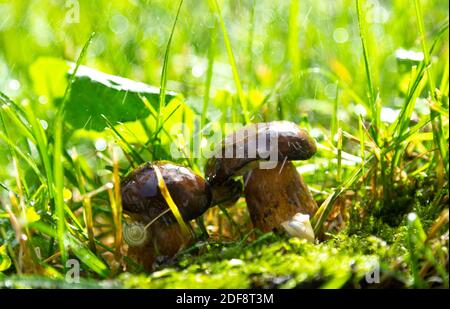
<point>142,199</point>
<point>293,143</point>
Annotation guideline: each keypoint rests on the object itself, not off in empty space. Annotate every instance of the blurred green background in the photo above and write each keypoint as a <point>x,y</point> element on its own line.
<point>132,36</point>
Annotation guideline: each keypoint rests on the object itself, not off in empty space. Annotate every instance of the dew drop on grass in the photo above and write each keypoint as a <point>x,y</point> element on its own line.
<point>98,45</point>
<point>43,99</point>
<point>340,35</point>
<point>412,217</point>
<point>198,70</point>
<point>388,114</point>
<point>6,16</point>
<point>203,143</point>
<point>235,262</point>
<point>316,133</point>
<point>391,64</point>
<point>100,144</point>
<point>118,24</point>
<point>330,91</point>
<point>11,169</point>
<point>360,110</point>
<point>14,84</point>
<point>44,124</point>
<point>377,30</point>
<point>377,15</point>
<point>403,54</point>
<point>212,228</point>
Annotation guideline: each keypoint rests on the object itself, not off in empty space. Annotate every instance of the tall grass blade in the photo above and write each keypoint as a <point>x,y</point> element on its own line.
<point>371,92</point>
<point>439,139</point>
<point>173,207</point>
<point>209,73</point>
<point>324,210</point>
<point>163,83</point>
<point>58,169</point>
<point>293,50</point>
<point>232,60</point>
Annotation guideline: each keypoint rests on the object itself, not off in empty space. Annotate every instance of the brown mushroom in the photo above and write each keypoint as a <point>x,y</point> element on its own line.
<point>276,194</point>
<point>153,230</point>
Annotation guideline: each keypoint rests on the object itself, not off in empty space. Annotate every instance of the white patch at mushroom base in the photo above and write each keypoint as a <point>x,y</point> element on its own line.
<point>299,226</point>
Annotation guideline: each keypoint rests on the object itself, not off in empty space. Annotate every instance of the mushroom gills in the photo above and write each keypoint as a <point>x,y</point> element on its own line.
<point>299,226</point>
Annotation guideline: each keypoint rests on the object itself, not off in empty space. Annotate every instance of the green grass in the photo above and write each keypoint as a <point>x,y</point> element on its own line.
<point>339,69</point>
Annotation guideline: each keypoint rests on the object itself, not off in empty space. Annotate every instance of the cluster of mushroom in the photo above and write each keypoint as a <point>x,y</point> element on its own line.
<point>276,197</point>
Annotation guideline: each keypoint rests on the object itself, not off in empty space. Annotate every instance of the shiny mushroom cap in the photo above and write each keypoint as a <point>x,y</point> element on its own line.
<point>142,199</point>
<point>235,157</point>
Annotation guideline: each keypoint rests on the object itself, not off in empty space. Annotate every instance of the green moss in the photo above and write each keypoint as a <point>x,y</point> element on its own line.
<point>277,262</point>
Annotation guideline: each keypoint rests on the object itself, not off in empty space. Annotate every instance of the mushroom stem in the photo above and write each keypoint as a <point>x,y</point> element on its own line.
<point>275,196</point>
<point>227,193</point>
<point>163,240</point>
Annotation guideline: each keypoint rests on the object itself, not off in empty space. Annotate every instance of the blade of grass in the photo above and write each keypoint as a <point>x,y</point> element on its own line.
<point>404,118</point>
<point>251,34</point>
<point>408,134</point>
<point>18,175</point>
<point>293,51</point>
<point>230,219</point>
<point>163,130</point>
<point>416,236</point>
<point>18,123</point>
<point>324,210</point>
<point>371,92</point>
<point>415,87</point>
<point>24,157</point>
<point>130,150</point>
<point>231,59</point>
<point>87,206</point>
<point>335,117</point>
<point>58,169</point>
<point>362,141</point>
<point>163,83</point>
<point>439,140</point>
<point>444,81</point>
<point>7,101</point>
<point>209,73</point>
<point>42,145</point>
<point>339,156</point>
<point>116,205</point>
<point>173,207</point>
<point>80,250</point>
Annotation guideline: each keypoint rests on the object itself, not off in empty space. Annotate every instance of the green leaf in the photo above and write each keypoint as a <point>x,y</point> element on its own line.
<point>49,76</point>
<point>88,257</point>
<point>78,248</point>
<point>5,261</point>
<point>95,93</point>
